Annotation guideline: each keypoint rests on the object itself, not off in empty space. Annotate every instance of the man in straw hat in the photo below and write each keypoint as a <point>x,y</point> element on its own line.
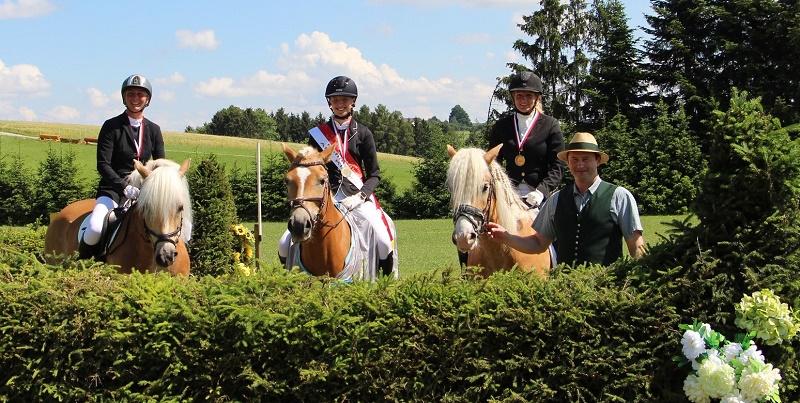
<point>589,219</point>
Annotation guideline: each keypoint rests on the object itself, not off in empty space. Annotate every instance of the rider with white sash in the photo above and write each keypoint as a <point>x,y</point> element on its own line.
<point>353,171</point>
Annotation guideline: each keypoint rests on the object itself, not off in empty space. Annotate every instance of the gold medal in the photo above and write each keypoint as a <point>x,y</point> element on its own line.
<point>519,160</point>
<point>346,171</point>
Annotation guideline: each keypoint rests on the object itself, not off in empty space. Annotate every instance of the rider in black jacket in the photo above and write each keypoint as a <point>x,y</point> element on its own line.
<point>122,139</point>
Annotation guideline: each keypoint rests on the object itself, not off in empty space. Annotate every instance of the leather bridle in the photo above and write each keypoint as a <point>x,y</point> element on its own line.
<point>477,218</point>
<point>168,237</point>
<point>298,202</point>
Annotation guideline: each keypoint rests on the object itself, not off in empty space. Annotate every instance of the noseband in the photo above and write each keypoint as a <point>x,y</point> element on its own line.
<point>164,237</point>
<point>477,218</point>
<point>298,202</point>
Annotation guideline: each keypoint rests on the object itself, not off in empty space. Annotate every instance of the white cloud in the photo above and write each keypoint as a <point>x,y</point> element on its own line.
<point>25,8</point>
<point>260,83</point>
<point>62,113</point>
<point>175,78</point>
<point>97,98</point>
<point>165,95</point>
<point>21,79</point>
<point>27,113</point>
<point>10,112</point>
<point>197,40</point>
<point>305,66</point>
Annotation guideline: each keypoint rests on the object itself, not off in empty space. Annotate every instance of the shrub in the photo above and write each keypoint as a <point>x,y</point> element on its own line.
<point>16,188</point>
<point>57,184</point>
<point>748,234</point>
<point>277,336</point>
<point>214,214</point>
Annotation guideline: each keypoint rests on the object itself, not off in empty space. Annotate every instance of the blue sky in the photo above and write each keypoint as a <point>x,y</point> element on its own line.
<point>64,61</point>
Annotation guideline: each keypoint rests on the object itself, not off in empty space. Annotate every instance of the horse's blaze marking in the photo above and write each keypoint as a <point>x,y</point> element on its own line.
<point>302,174</point>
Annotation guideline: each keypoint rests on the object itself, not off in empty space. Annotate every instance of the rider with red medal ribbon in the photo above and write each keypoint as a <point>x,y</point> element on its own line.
<point>531,142</point>
<point>353,170</point>
<point>122,139</point>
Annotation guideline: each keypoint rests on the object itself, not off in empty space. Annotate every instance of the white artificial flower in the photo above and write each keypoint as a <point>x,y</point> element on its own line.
<point>693,390</point>
<point>732,350</point>
<point>758,384</point>
<point>751,354</point>
<point>716,377</point>
<point>693,344</point>
<point>734,398</point>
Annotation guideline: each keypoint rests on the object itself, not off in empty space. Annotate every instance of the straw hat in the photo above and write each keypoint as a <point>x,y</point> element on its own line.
<point>583,142</point>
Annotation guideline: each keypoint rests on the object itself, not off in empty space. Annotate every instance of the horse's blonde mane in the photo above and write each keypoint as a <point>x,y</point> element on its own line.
<point>162,191</point>
<point>465,178</point>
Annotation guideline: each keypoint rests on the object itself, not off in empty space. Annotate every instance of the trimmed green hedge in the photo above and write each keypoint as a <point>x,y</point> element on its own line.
<point>86,334</point>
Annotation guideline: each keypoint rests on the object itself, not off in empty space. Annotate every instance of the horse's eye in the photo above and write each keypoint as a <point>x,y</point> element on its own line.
<point>485,187</point>
<point>323,180</point>
<point>180,208</point>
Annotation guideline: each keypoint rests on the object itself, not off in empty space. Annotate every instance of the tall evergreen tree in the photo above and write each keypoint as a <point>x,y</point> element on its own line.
<point>459,116</point>
<point>615,82</point>
<point>546,53</point>
<point>577,39</point>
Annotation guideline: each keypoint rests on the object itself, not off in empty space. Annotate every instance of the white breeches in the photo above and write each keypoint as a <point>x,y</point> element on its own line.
<point>104,204</point>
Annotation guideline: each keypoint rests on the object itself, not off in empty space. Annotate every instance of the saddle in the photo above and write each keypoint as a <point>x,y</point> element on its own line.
<point>110,230</point>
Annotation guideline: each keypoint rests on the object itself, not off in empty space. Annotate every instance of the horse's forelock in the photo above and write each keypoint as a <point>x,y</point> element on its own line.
<point>163,190</point>
<point>465,177</point>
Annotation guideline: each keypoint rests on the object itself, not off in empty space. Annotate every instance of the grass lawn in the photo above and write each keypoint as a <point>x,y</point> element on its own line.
<point>424,245</point>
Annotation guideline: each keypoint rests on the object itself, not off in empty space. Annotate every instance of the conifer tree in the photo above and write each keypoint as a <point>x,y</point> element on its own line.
<point>211,247</point>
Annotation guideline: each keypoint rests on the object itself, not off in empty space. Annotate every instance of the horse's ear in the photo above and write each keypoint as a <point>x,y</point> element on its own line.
<point>184,166</point>
<point>451,151</point>
<point>492,154</point>
<point>326,154</point>
<point>290,153</point>
<point>141,168</point>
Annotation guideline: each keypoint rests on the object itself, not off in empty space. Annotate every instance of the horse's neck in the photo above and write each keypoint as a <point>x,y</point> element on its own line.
<point>327,248</point>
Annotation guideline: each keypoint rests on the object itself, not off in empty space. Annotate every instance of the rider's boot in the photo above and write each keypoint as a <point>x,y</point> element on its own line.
<point>462,258</point>
<point>386,265</point>
<point>86,251</point>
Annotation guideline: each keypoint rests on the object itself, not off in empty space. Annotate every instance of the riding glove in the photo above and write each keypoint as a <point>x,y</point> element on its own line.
<point>352,202</point>
<point>131,192</point>
<point>534,199</point>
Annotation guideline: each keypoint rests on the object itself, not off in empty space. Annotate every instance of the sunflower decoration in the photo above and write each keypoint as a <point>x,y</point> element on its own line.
<point>244,247</point>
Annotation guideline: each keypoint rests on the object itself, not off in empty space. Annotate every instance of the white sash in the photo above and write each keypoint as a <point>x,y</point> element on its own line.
<point>336,157</point>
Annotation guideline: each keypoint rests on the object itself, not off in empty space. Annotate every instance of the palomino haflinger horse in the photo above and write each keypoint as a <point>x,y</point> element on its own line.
<point>324,239</point>
<point>153,233</point>
<point>480,191</point>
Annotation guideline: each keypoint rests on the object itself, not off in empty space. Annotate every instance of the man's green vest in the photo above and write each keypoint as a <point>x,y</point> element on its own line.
<point>590,236</point>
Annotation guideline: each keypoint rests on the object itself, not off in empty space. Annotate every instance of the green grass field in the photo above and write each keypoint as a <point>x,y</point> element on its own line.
<point>425,245</point>
<point>179,146</point>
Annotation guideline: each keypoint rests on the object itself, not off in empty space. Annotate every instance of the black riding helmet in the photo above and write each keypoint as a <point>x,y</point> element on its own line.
<point>525,81</point>
<point>341,85</point>
<point>137,81</point>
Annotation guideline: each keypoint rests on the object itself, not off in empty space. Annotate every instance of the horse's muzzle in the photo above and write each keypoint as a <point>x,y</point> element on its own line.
<point>464,237</point>
<point>166,254</point>
<point>299,225</point>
